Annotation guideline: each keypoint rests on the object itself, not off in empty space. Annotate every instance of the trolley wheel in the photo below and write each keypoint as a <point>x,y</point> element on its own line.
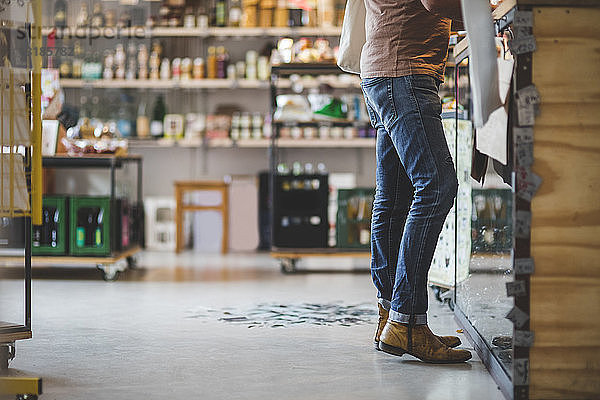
<point>109,272</point>
<point>288,265</point>
<point>27,397</point>
<point>132,262</point>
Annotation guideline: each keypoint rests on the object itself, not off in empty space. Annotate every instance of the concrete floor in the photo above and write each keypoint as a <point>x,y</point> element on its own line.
<point>146,337</point>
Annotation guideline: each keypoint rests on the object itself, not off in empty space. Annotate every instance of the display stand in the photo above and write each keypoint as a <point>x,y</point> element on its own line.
<point>288,257</point>
<point>110,265</point>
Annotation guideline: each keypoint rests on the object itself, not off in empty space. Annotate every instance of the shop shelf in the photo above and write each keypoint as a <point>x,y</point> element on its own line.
<point>203,84</point>
<point>142,32</point>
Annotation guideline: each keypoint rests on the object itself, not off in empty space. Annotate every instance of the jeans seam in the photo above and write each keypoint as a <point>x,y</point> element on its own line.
<point>390,244</point>
<point>390,85</point>
<point>422,241</point>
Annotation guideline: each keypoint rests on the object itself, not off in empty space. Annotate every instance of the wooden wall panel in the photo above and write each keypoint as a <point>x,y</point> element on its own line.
<point>565,235</point>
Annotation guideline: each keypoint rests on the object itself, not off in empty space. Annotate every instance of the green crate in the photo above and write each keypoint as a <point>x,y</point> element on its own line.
<point>90,239</point>
<point>53,207</point>
<point>353,221</point>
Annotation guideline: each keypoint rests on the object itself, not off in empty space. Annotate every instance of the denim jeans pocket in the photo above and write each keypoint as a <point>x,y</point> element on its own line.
<point>368,82</point>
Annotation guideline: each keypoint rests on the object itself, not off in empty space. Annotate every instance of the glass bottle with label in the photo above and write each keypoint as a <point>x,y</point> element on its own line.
<point>60,14</point>
<point>97,20</point>
<point>211,63</point>
<point>235,13</point>
<point>158,115</point>
<point>83,18</point>
<point>142,122</point>
<point>77,61</point>
<point>220,13</point>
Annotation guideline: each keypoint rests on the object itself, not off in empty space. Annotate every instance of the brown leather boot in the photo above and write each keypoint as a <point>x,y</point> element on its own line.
<point>420,342</point>
<point>450,341</point>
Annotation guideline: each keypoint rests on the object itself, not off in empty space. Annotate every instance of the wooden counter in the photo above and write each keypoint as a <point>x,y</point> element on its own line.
<point>565,233</point>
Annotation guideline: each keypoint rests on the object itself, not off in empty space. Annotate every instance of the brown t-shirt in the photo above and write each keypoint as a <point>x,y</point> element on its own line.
<point>403,38</point>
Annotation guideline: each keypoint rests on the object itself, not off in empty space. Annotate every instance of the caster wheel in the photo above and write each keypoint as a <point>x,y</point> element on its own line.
<point>288,265</point>
<point>132,262</point>
<point>27,397</point>
<point>109,273</point>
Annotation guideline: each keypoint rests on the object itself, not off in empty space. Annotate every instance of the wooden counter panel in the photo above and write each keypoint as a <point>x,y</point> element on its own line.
<point>550,22</point>
<point>565,230</point>
<point>560,384</point>
<point>575,81</point>
<point>556,303</point>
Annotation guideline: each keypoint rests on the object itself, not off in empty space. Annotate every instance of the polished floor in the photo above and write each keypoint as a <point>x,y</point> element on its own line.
<point>201,327</point>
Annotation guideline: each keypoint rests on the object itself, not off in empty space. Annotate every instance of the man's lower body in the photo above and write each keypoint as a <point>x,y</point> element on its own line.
<point>416,187</point>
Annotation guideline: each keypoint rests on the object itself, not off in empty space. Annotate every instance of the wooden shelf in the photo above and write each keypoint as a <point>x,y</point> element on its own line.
<point>72,260</point>
<point>10,333</point>
<point>142,32</point>
<point>326,252</point>
<point>207,83</point>
<point>228,143</point>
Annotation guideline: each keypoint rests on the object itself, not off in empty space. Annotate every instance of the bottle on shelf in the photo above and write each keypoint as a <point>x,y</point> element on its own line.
<point>77,61</point>
<point>142,60</point>
<point>65,66</point>
<point>221,13</point>
<point>221,60</point>
<point>165,69</point>
<point>131,71</point>
<point>125,118</point>
<point>202,20</point>
<point>235,13</point>
<point>60,14</point>
<point>83,18</point>
<point>142,123</point>
<point>158,115</point>
<point>189,19</point>
<point>198,70</point>
<point>211,63</point>
<point>97,20</point>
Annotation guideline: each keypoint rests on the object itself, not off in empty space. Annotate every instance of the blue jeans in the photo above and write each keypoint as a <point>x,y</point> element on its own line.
<point>416,187</point>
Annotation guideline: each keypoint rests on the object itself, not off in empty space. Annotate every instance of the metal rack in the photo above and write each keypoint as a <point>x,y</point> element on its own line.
<point>109,265</point>
<point>288,257</point>
<point>20,163</point>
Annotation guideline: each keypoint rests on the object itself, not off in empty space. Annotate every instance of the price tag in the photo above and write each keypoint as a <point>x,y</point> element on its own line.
<point>523,18</point>
<point>525,154</point>
<point>522,45</point>
<point>523,224</point>
<point>523,134</point>
<point>516,289</point>
<point>517,316</point>
<point>524,266</point>
<point>522,32</point>
<point>523,339</point>
<point>528,95</point>
<point>527,183</point>
<point>521,371</point>
<point>525,114</point>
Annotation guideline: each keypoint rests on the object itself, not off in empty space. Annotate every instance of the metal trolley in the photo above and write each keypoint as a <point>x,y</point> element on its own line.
<point>20,173</point>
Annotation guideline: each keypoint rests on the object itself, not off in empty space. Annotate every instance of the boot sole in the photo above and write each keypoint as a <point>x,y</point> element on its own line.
<point>376,344</point>
<point>398,351</point>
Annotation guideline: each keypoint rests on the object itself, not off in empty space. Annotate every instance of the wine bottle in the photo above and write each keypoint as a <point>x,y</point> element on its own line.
<point>220,13</point>
<point>60,14</point>
<point>97,20</point>
<point>158,116</point>
<point>235,13</point>
<point>142,122</point>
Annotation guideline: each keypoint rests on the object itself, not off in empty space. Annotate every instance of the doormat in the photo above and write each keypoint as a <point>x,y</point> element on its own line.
<point>275,315</point>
